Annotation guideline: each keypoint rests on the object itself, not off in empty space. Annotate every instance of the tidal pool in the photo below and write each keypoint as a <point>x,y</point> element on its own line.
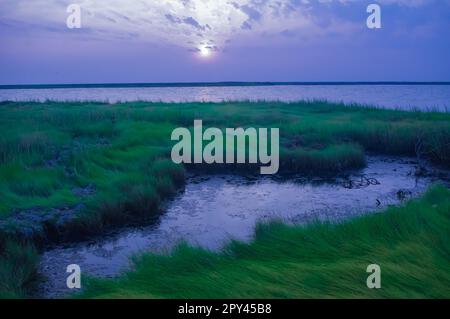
<point>214,209</point>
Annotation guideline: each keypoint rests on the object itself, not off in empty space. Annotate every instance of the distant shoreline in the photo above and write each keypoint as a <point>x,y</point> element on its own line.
<point>200,84</point>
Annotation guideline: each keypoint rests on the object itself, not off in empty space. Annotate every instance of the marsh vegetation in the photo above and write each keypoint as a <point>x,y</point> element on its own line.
<point>72,170</point>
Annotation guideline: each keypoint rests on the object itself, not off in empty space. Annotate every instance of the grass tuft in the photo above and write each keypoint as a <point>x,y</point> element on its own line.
<point>411,244</point>
<point>18,268</point>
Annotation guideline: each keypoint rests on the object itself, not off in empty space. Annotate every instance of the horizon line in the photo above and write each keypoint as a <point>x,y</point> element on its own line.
<point>212,84</point>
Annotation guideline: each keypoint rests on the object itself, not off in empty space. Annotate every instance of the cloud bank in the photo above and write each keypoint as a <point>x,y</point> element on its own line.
<point>192,24</point>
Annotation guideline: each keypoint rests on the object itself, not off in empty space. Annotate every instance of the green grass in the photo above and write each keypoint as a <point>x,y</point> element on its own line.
<point>411,244</point>
<point>49,149</point>
<point>18,268</point>
<point>122,151</point>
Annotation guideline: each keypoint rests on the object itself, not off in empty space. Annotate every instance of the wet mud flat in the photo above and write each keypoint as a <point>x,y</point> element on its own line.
<point>214,209</point>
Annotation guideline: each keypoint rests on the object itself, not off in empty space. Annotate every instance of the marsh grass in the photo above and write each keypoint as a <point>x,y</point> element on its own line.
<point>122,151</point>
<point>411,244</point>
<point>49,149</point>
<point>18,269</point>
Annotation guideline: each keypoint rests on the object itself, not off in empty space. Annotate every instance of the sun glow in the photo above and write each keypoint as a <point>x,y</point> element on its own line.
<point>205,52</point>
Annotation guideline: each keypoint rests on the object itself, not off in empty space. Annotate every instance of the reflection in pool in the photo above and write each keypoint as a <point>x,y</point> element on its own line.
<point>214,209</point>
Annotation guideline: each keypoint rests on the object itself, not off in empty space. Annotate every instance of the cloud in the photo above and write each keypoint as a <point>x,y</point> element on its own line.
<point>187,23</point>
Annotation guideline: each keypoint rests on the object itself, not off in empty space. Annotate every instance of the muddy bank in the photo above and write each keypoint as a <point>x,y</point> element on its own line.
<point>214,209</point>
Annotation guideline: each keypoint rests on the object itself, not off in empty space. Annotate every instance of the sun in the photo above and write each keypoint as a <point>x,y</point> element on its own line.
<point>205,52</point>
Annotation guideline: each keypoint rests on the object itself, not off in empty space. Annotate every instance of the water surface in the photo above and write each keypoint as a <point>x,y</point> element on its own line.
<point>405,97</point>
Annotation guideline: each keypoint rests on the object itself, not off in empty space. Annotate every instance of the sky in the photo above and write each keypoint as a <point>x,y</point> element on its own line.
<point>131,41</point>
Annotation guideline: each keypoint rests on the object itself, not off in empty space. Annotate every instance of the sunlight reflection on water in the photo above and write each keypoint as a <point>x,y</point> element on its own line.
<point>405,97</point>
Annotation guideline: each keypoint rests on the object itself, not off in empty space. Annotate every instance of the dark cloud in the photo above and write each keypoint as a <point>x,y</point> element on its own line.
<point>191,21</point>
<point>288,33</point>
<point>251,12</point>
<point>246,26</point>
<point>172,18</point>
<point>187,20</point>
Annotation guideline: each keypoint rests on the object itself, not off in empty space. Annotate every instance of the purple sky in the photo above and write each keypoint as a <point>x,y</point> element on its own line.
<point>242,40</point>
